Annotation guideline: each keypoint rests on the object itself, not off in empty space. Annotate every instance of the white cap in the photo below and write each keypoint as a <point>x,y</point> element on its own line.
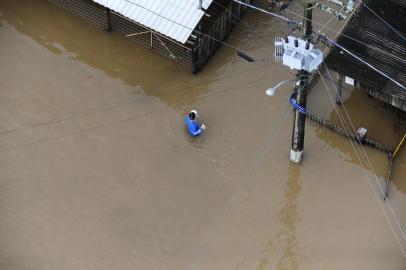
<point>193,111</point>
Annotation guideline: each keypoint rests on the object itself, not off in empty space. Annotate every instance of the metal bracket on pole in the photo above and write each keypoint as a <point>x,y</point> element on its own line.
<point>296,106</point>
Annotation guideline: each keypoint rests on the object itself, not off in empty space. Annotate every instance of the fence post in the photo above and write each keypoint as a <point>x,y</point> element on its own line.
<point>108,20</point>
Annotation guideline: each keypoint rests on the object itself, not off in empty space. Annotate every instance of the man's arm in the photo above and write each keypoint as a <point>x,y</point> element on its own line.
<point>196,132</point>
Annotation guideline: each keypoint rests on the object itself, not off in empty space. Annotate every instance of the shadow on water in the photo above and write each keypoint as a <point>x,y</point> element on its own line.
<point>109,52</point>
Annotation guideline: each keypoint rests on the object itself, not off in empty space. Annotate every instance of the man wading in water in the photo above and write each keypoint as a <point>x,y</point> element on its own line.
<point>193,127</point>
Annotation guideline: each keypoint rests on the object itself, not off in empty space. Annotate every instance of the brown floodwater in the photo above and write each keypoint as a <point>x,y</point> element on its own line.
<point>98,172</point>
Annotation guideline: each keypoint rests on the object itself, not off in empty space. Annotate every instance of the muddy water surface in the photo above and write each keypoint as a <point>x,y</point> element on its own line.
<point>97,171</point>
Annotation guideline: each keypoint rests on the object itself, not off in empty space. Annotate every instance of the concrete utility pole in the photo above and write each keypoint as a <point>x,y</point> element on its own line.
<point>300,92</point>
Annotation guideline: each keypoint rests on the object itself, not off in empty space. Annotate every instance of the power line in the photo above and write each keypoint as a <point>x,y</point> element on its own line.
<point>228,11</point>
<point>240,52</point>
<point>316,23</point>
<point>323,26</point>
<point>249,26</point>
<point>359,156</point>
<point>367,158</point>
<point>178,89</point>
<point>385,22</point>
<point>327,23</point>
<point>235,16</point>
<point>184,26</point>
<point>246,56</point>
<point>369,163</point>
<point>362,147</point>
<point>331,41</point>
<point>347,36</point>
<point>221,91</point>
<point>365,62</point>
<point>252,169</point>
<point>267,12</point>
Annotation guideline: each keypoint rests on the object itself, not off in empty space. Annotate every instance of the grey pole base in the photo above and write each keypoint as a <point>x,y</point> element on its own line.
<point>296,156</point>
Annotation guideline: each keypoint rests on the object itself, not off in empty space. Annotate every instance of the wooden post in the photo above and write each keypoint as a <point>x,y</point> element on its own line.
<point>340,78</point>
<point>391,158</point>
<point>108,20</point>
<point>386,191</point>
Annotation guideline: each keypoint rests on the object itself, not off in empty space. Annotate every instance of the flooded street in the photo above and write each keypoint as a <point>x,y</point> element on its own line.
<point>97,170</point>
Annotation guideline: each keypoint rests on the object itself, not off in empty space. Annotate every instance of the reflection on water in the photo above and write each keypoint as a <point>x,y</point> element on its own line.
<point>109,52</point>
<point>285,242</point>
<point>289,217</point>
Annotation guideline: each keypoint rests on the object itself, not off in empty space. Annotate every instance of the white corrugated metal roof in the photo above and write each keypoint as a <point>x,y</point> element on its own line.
<point>173,18</point>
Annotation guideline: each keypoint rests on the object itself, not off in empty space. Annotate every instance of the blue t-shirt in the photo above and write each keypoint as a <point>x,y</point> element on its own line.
<point>193,127</point>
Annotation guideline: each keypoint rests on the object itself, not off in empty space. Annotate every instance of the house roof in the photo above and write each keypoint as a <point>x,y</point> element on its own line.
<point>173,18</point>
<point>375,42</point>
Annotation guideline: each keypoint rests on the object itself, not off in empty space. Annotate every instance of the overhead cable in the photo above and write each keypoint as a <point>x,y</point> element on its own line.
<point>366,159</point>
<point>332,42</point>
<point>396,218</point>
<point>346,36</point>
<point>267,12</point>
<point>385,22</point>
<point>241,53</point>
<point>366,63</point>
<point>184,26</point>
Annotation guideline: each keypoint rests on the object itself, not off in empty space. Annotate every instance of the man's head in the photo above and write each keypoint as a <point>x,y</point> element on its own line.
<point>192,114</point>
